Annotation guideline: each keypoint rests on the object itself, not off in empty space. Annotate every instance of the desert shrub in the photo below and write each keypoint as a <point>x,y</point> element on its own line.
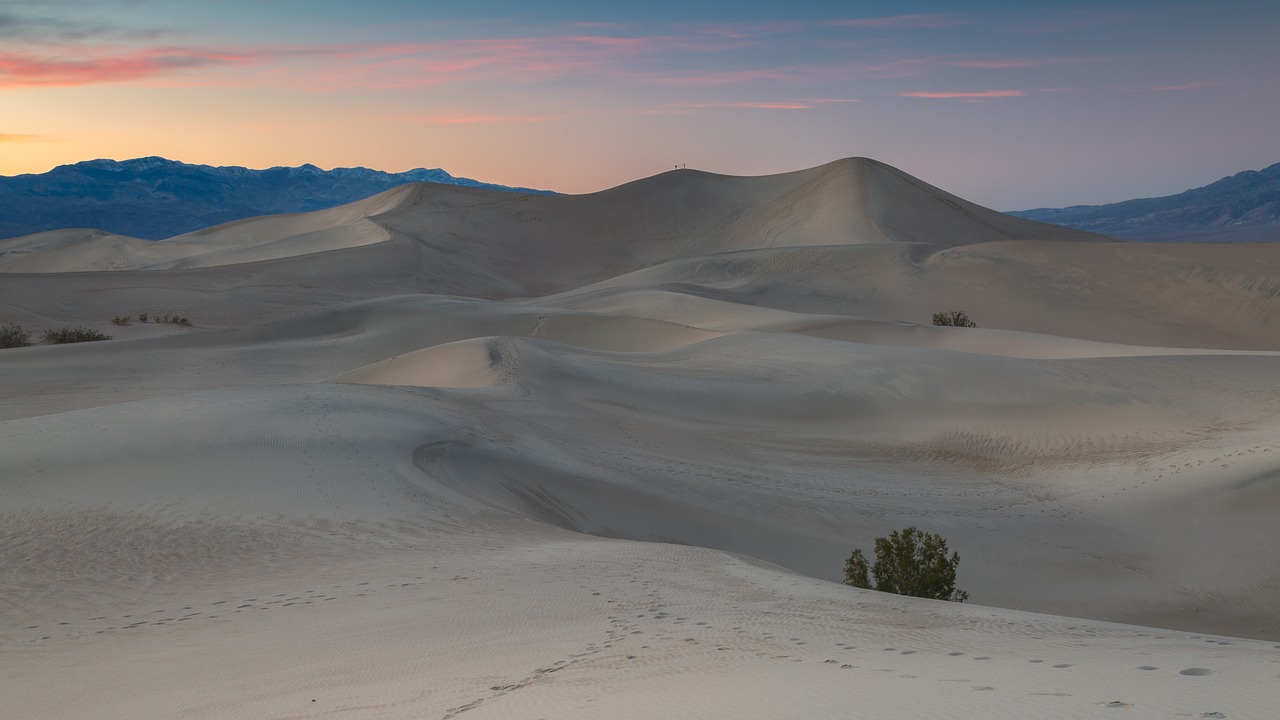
<point>908,562</point>
<point>157,319</point>
<point>14,335</point>
<point>121,320</point>
<point>65,335</point>
<point>955,318</point>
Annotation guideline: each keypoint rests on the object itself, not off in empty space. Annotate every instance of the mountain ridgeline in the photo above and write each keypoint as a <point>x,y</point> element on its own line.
<point>1244,207</point>
<point>154,198</point>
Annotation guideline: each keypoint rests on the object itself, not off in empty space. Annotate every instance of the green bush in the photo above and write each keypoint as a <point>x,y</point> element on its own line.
<point>14,335</point>
<point>908,562</point>
<point>121,320</point>
<point>166,318</point>
<point>65,335</point>
<point>955,318</point>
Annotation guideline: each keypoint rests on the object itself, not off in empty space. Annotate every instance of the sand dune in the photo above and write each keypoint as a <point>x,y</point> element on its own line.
<point>452,453</point>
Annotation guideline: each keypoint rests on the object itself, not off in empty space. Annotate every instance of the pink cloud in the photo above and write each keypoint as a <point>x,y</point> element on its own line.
<point>370,65</point>
<point>508,59</point>
<point>970,95</point>
<point>646,58</point>
<point>96,66</point>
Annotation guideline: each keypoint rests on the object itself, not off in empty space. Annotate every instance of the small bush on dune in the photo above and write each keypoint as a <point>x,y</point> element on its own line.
<point>14,335</point>
<point>65,335</point>
<point>908,562</point>
<point>158,319</point>
<point>121,320</point>
<point>955,318</point>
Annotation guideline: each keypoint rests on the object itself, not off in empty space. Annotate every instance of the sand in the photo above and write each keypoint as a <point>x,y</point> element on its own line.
<point>449,452</point>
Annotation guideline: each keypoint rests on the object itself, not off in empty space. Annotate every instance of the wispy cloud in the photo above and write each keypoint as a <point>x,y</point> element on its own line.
<point>744,31</point>
<point>494,119</point>
<point>1185,86</point>
<point>103,66</point>
<point>974,95</point>
<point>919,20</point>
<point>723,77</point>
<point>1019,63</point>
<point>25,24</point>
<point>19,137</point>
<point>1076,21</point>
<point>673,109</point>
<point>748,105</point>
<point>722,55</point>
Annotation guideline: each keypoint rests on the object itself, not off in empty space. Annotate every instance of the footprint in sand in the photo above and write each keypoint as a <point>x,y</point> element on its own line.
<point>1148,667</point>
<point>1063,665</point>
<point>1196,672</point>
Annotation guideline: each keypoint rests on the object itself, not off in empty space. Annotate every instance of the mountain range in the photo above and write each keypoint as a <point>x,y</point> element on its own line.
<point>155,198</point>
<point>1244,207</point>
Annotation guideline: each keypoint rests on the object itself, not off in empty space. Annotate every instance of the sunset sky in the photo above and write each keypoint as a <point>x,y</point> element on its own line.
<point>1012,104</point>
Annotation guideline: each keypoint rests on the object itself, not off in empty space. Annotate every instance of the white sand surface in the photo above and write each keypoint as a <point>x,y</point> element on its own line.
<point>449,452</point>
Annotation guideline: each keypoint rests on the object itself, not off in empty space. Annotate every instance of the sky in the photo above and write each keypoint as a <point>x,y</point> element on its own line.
<point>1012,104</point>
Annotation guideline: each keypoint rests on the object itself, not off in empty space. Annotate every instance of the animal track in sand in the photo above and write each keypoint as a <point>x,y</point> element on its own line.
<point>1195,672</point>
<point>104,624</point>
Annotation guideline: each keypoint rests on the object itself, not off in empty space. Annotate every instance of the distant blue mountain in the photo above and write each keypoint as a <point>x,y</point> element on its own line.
<point>155,198</point>
<point>1244,207</point>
